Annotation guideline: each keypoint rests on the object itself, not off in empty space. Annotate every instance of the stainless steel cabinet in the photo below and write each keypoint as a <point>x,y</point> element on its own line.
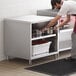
<point>19,37</point>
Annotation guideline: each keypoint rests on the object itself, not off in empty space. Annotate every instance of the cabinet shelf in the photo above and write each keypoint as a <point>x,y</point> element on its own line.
<point>65,49</point>
<point>66,30</point>
<point>44,55</point>
<point>42,37</point>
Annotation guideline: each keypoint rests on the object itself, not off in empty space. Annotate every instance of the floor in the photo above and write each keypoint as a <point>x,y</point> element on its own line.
<point>15,67</point>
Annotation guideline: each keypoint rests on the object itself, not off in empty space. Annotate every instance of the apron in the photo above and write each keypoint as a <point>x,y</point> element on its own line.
<point>73,51</point>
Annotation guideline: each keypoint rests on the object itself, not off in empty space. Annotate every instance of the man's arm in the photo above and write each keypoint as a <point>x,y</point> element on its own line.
<point>53,21</point>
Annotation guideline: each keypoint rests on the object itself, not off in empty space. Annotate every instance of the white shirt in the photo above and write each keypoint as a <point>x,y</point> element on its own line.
<point>68,8</point>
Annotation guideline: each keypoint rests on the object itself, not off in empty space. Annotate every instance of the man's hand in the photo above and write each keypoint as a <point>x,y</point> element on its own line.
<point>56,27</point>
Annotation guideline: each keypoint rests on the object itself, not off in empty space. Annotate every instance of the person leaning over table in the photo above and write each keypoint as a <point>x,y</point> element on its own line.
<point>67,8</point>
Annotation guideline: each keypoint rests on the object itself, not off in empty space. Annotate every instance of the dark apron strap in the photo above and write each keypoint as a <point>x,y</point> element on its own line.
<point>75,26</point>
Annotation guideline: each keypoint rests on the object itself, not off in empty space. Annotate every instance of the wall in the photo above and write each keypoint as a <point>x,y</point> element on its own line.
<point>12,8</point>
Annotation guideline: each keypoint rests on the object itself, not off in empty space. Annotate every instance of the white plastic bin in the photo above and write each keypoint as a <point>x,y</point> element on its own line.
<point>41,48</point>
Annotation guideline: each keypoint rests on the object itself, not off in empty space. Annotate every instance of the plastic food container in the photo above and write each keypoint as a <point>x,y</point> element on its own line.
<point>41,48</point>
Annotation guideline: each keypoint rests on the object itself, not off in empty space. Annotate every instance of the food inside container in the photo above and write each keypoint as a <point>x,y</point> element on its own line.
<point>36,42</point>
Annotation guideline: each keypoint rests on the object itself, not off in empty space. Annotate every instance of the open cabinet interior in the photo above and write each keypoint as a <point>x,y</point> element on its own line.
<point>45,42</point>
<point>38,27</point>
<point>50,44</point>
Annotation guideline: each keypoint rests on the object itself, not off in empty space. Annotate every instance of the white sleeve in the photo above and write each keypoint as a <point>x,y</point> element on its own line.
<point>64,9</point>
